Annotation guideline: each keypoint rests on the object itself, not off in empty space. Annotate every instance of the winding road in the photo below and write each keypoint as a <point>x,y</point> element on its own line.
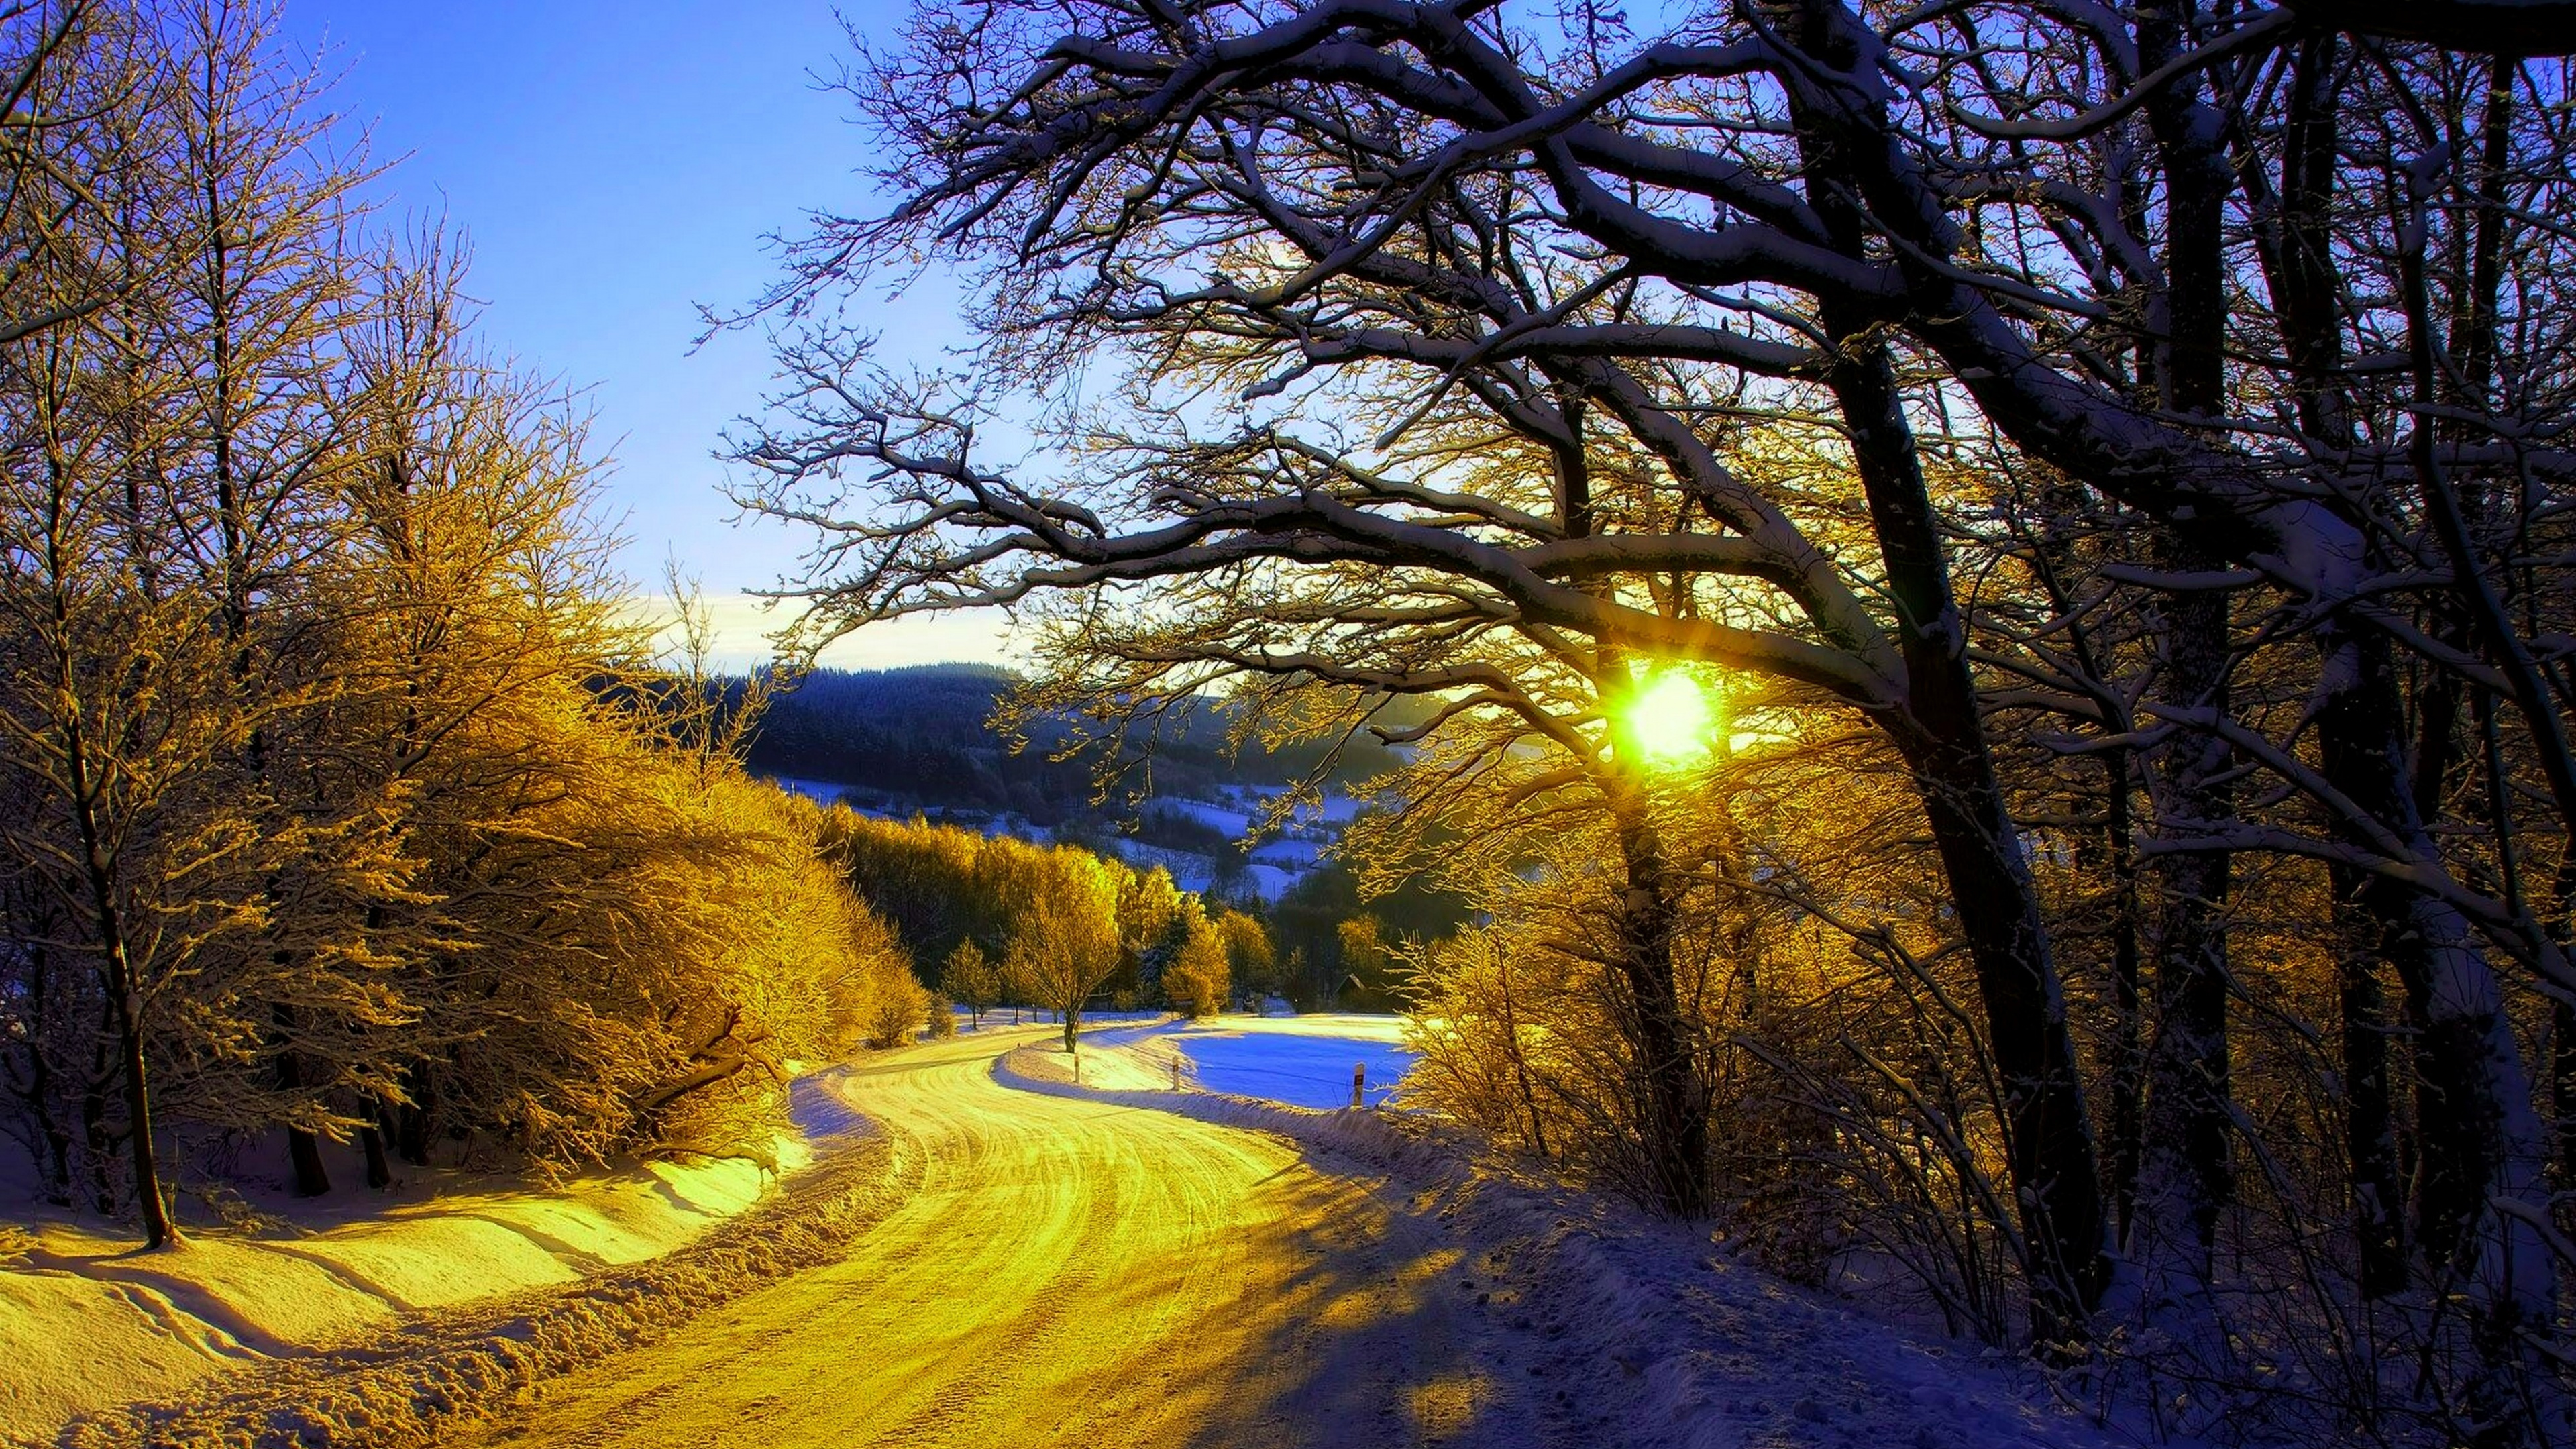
<point>1073,1272</point>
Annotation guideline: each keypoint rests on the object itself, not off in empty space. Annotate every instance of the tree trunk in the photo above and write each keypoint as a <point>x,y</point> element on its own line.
<point>124,992</point>
<point>2562,1091</point>
<point>2185,1178</point>
<point>2370,1111</point>
<point>1676,1129</point>
<point>56,1167</point>
<point>2128,1065</point>
<point>2056,1174</point>
<point>303,1149</point>
<point>2184,1169</point>
<point>2469,1070</point>
<point>98,1145</point>
<point>380,1170</point>
<point>58,1156</point>
<point>2050,1145</point>
<point>2480,1138</point>
<point>158,1231</point>
<point>2116,852</point>
<point>411,1119</point>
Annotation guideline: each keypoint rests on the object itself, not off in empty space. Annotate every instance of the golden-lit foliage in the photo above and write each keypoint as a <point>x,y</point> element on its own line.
<point>336,797</point>
<point>1051,926</point>
<point>1198,978</point>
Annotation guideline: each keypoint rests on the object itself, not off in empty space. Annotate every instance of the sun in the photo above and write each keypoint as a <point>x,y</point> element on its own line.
<point>1670,718</point>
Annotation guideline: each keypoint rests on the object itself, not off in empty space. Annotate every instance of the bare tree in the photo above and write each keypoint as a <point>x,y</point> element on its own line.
<point>2221,275</point>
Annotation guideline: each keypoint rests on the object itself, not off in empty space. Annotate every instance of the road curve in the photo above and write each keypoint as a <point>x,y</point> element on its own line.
<point>1077,1273</point>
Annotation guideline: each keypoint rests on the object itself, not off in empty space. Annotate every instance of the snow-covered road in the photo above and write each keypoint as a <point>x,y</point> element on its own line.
<point>1078,1273</point>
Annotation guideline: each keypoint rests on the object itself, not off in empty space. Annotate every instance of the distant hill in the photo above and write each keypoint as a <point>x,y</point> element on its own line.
<point>903,741</point>
<point>917,739</point>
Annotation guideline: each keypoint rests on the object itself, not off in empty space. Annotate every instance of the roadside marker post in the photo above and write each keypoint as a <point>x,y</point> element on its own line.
<point>1359,1084</point>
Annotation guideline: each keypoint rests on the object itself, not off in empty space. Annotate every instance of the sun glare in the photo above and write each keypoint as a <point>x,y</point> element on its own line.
<point>1671,719</point>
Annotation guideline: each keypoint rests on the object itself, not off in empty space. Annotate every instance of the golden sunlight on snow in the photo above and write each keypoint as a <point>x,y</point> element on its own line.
<point>1069,1272</point>
<point>87,1324</point>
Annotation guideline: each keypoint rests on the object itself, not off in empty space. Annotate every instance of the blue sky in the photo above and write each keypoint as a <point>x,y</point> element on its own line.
<point>615,164</point>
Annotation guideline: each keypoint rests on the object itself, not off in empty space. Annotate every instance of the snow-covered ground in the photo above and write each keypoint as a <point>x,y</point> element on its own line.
<point>88,1324</point>
<point>1233,822</point>
<point>1026,1260</point>
<point>1593,1325</point>
<point>1290,854</point>
<point>1368,1026</point>
<point>1273,871</point>
<point>823,791</point>
<point>1272,882</point>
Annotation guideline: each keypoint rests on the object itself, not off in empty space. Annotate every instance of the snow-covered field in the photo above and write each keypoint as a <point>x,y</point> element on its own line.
<point>1272,882</point>
<point>1270,874</point>
<point>1290,854</point>
<point>1367,1026</point>
<point>1233,822</point>
<point>1305,1061</point>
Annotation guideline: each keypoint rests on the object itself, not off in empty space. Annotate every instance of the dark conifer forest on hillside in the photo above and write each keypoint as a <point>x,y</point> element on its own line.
<point>920,738</point>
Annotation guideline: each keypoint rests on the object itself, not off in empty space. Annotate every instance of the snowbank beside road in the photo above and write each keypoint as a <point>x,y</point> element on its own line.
<point>87,1325</point>
<point>1636,1314</point>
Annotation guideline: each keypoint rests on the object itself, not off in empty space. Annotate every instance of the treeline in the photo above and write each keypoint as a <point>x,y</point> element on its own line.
<point>322,811</point>
<point>1057,927</point>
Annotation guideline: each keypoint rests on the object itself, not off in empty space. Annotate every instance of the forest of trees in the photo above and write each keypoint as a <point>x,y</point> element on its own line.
<point>337,801</point>
<point>1347,931</point>
<point>1056,927</point>
<point>2107,465</point>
